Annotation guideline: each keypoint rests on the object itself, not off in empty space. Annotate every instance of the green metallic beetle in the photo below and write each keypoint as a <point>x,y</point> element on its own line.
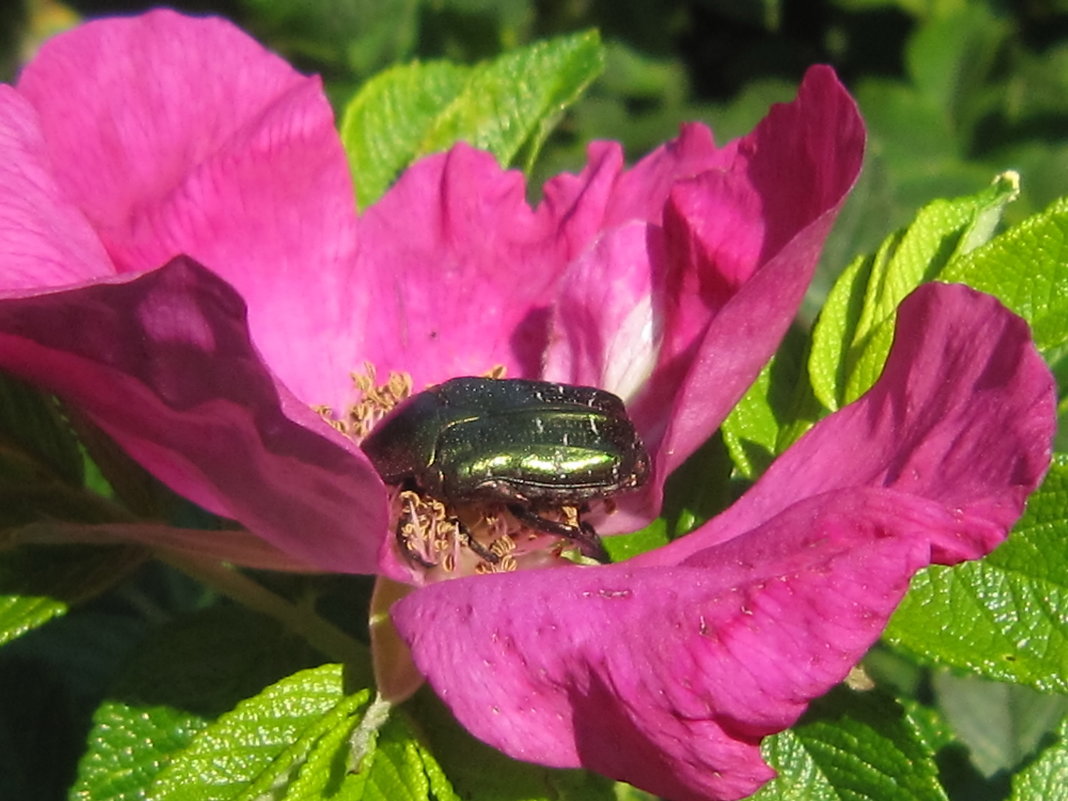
<point>527,444</point>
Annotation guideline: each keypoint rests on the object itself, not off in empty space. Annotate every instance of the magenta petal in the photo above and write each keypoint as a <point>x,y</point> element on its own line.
<point>458,268</point>
<point>963,414</point>
<point>181,135</point>
<point>144,100</point>
<point>47,240</point>
<point>668,677</point>
<point>164,364</point>
<point>739,246</point>
<point>609,321</point>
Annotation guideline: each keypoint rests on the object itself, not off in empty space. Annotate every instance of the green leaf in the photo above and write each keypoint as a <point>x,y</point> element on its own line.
<point>267,742</point>
<point>193,670</point>
<point>851,745</point>
<point>502,106</point>
<point>1002,724</point>
<point>950,60</point>
<point>40,583</point>
<point>1045,779</point>
<point>624,546</point>
<point>773,412</point>
<point>699,488</point>
<point>1002,617</point>
<point>852,336</point>
<point>1027,269</point>
<point>127,746</point>
<point>404,769</point>
<point>303,739</point>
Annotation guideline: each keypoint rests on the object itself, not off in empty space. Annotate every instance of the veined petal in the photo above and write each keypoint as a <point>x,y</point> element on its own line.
<point>667,677</point>
<point>462,270</point>
<point>179,135</point>
<point>464,273</point>
<point>46,239</point>
<point>607,316</point>
<point>679,315</point>
<point>163,363</point>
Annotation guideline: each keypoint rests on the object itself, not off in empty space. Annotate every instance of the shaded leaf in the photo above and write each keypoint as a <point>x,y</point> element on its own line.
<point>1002,724</point>
<point>40,583</point>
<point>1046,779</point>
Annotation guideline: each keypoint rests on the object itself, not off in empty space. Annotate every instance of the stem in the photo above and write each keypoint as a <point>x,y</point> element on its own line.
<point>322,634</point>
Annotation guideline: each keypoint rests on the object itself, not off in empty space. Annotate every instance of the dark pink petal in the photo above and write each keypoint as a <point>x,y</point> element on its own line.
<point>641,192</point>
<point>46,239</point>
<point>667,670</point>
<point>740,249</point>
<point>668,677</point>
<point>963,414</point>
<point>180,135</point>
<point>727,256</point>
<point>145,100</point>
<point>457,264</point>
<point>604,195</point>
<point>163,363</point>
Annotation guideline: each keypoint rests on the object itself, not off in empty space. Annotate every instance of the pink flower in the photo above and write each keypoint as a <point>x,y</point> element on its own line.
<point>180,260</point>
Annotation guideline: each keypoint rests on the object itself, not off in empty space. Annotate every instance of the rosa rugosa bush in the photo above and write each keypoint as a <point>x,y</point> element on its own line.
<point>182,263</point>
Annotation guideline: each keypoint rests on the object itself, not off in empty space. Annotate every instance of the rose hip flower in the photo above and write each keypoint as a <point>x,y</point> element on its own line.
<point>181,261</point>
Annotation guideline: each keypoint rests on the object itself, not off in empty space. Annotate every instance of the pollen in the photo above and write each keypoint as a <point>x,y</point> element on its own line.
<point>375,402</point>
<point>448,541</point>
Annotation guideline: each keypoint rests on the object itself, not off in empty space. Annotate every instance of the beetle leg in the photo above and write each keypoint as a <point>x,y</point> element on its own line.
<point>409,552</point>
<point>583,534</point>
<point>474,544</point>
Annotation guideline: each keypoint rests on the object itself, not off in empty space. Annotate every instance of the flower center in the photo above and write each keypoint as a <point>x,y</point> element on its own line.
<point>449,540</point>
<point>443,538</point>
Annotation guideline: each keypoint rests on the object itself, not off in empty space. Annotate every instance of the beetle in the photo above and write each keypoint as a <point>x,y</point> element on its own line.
<point>527,444</point>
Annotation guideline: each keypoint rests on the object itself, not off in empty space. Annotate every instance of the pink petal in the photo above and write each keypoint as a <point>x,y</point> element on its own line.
<point>46,239</point>
<point>460,268</point>
<point>740,249</point>
<point>609,322</point>
<point>963,414</point>
<point>641,192</point>
<point>463,272</point>
<point>182,135</point>
<point>164,364</point>
<point>679,315</point>
<point>668,677</point>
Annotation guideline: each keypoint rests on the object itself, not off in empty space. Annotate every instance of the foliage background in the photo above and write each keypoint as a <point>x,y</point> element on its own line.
<point>953,92</point>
